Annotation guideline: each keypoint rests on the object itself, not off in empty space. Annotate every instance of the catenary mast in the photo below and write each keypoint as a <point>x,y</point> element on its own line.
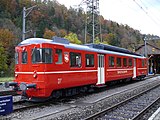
<point>92,25</point>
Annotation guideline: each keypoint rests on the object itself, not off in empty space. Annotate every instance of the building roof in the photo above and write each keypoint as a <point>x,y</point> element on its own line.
<point>150,49</point>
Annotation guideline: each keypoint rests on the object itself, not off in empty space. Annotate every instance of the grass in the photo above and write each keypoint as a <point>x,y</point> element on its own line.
<point>6,79</point>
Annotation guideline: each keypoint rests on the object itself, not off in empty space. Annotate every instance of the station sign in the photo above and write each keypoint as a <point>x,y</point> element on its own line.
<point>6,105</point>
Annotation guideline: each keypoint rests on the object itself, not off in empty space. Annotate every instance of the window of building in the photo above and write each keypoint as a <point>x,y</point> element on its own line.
<point>130,62</point>
<point>16,57</point>
<point>75,59</point>
<point>125,62</point>
<point>89,60</point>
<point>24,57</point>
<point>111,61</point>
<point>59,53</point>
<point>41,55</point>
<point>119,62</point>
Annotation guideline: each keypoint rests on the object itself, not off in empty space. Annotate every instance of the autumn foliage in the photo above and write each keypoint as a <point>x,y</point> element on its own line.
<point>48,34</point>
<point>50,19</point>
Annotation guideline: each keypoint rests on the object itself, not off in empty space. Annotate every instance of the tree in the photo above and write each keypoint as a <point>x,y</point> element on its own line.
<point>109,38</point>
<point>6,38</point>
<point>63,32</point>
<point>3,59</point>
<point>72,37</point>
<point>97,41</point>
<point>7,42</point>
<point>48,34</point>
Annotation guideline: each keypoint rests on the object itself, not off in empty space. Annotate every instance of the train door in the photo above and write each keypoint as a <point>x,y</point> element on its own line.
<point>101,71</point>
<point>134,68</point>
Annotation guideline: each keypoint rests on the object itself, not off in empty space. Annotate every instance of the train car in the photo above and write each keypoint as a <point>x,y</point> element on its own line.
<point>54,68</point>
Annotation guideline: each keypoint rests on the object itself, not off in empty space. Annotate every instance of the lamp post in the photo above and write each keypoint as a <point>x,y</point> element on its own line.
<point>26,12</point>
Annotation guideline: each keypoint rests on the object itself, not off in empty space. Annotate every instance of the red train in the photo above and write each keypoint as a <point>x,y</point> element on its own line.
<point>53,68</point>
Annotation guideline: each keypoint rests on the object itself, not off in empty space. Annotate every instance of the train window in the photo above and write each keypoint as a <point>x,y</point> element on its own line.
<point>119,62</point>
<point>125,62</point>
<point>130,62</point>
<point>16,57</point>
<point>89,60</point>
<point>41,55</point>
<point>59,53</point>
<point>75,59</point>
<point>46,55</point>
<point>143,63</point>
<point>24,57</point>
<point>111,61</point>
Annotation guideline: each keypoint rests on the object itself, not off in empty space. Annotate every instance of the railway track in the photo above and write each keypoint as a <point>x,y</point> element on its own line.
<point>132,108</point>
<point>14,93</point>
<point>8,92</point>
<point>23,105</point>
<point>74,105</point>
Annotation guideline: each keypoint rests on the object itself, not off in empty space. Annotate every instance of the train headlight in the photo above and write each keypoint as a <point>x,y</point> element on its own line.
<point>16,75</point>
<point>35,74</point>
<point>23,86</point>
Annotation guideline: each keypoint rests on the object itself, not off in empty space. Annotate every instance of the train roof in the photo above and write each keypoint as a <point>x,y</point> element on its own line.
<point>111,48</point>
<point>100,48</point>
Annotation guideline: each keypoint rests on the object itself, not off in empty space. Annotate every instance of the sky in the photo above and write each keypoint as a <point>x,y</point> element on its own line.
<point>142,15</point>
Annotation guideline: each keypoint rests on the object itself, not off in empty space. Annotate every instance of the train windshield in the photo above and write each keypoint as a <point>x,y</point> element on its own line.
<point>16,58</point>
<point>41,55</point>
<point>24,57</point>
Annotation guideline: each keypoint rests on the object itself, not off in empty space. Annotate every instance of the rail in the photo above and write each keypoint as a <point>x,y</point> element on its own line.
<point>118,105</point>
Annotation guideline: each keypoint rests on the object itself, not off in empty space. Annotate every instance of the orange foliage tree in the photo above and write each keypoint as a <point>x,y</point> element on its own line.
<point>6,48</point>
<point>6,38</point>
<point>48,34</point>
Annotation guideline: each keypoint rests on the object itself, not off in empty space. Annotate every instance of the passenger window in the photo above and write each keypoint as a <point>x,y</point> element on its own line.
<point>89,60</point>
<point>59,53</point>
<point>130,62</point>
<point>24,57</point>
<point>111,61</point>
<point>16,57</point>
<point>119,62</point>
<point>125,62</point>
<point>75,59</point>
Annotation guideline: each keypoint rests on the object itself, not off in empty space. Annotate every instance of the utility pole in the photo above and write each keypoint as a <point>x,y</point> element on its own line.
<point>93,25</point>
<point>145,47</point>
<point>26,12</point>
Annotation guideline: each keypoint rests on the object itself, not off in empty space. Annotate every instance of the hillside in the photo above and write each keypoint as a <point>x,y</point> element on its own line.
<point>51,18</point>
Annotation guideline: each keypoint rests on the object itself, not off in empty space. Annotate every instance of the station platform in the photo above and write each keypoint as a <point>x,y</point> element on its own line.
<point>155,115</point>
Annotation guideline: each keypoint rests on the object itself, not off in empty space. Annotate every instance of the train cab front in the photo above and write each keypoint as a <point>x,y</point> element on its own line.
<point>30,63</point>
<point>30,87</point>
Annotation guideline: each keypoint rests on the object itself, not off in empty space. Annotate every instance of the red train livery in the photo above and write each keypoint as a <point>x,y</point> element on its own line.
<point>53,68</point>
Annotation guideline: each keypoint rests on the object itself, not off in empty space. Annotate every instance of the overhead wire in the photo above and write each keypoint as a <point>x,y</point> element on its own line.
<point>150,10</point>
<point>146,13</point>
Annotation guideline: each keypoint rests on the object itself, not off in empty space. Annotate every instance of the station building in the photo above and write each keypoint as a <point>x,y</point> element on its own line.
<point>153,54</point>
